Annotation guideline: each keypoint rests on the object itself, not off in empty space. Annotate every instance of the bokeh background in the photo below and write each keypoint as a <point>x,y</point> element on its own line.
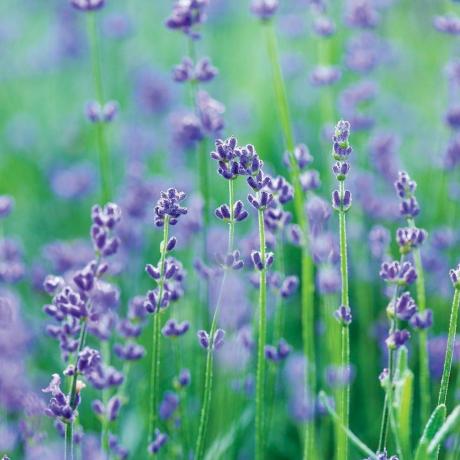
<point>398,84</point>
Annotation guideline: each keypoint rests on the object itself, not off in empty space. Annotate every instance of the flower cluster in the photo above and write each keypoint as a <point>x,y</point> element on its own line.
<point>405,188</point>
<point>87,5</point>
<point>278,353</point>
<point>186,15</point>
<point>97,113</point>
<point>264,9</point>
<point>84,303</point>
<point>341,150</point>
<point>168,207</point>
<point>203,71</point>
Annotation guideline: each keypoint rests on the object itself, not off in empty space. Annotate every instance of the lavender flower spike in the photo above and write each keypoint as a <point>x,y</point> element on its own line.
<point>87,5</point>
<point>264,9</point>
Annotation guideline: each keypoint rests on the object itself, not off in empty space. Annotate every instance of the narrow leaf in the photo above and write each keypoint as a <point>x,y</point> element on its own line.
<point>451,422</point>
<point>351,436</point>
<point>431,428</point>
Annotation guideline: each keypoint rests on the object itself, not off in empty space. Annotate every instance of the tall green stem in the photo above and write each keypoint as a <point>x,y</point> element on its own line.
<point>342,442</point>
<point>262,333</point>
<point>104,158</point>
<point>68,454</point>
<point>208,378</point>
<point>442,399</point>
<point>424,377</point>
<point>155,363</point>
<point>307,282</point>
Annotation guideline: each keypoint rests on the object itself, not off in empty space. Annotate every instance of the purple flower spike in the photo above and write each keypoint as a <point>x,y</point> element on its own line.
<point>278,353</point>
<point>87,5</point>
<point>98,407</point>
<point>153,272</point>
<point>455,277</point>
<point>184,378</point>
<point>341,146</point>
<point>341,203</point>
<point>173,328</point>
<point>394,272</point>
<point>239,213</point>
<point>204,70</point>
<point>113,408</point>
<point>325,75</point>
<point>289,286</point>
<point>341,169</point>
<point>158,442</point>
<point>129,352</point>
<point>343,315</point>
<point>223,212</point>
<point>169,205</point>
<point>171,244</point>
<point>187,14</point>
<point>6,205</point>
<point>260,265</point>
<point>405,307</point>
<point>397,339</point>
<point>218,339</point>
<point>264,9</point>
<point>183,71</point>
<point>422,319</point>
<point>169,405</point>
<point>447,24</point>
<point>203,339</point>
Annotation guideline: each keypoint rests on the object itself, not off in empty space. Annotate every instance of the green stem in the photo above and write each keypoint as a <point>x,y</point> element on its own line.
<point>262,333</point>
<point>104,157</point>
<point>155,363</point>
<point>307,282</point>
<point>68,454</point>
<point>342,442</point>
<point>208,379</point>
<point>424,377</point>
<point>442,399</point>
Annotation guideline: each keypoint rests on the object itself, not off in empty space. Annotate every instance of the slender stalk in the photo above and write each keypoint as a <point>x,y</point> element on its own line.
<point>155,364</point>
<point>450,348</point>
<point>342,442</point>
<point>388,403</point>
<point>424,377</point>
<point>68,453</point>
<point>208,379</point>
<point>307,282</point>
<point>262,333</point>
<point>104,156</point>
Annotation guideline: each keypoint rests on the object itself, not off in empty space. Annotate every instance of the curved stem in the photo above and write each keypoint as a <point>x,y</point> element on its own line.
<point>155,364</point>
<point>262,332</point>
<point>307,281</point>
<point>208,379</point>
<point>342,442</point>
<point>450,348</point>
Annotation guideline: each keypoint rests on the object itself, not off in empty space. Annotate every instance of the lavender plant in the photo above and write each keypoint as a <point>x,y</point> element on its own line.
<point>167,211</point>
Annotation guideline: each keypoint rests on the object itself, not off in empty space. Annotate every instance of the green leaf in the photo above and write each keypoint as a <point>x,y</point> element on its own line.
<point>222,443</point>
<point>351,436</point>
<point>403,410</point>
<point>431,428</point>
<point>451,422</point>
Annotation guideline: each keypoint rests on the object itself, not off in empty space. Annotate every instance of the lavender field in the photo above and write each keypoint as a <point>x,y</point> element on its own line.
<point>229,229</point>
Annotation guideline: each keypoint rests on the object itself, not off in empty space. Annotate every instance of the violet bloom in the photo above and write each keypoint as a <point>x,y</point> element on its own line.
<point>216,342</point>
<point>168,405</point>
<point>325,75</point>
<point>409,238</point>
<point>318,212</point>
<point>362,14</point>
<point>264,9</point>
<point>158,442</point>
<point>397,339</point>
<point>394,272</point>
<point>6,205</point>
<point>422,319</point>
<point>173,328</point>
<point>379,241</point>
<point>210,113</point>
<point>87,5</point>
<point>278,353</point>
<point>169,205</point>
<point>343,315</point>
<point>120,452</point>
<point>404,307</point>
<point>186,15</point>
<point>447,24</point>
